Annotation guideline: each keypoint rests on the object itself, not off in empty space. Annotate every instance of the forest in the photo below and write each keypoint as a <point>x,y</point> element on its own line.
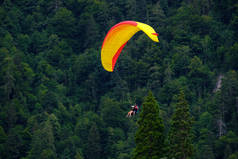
<point>58,102</point>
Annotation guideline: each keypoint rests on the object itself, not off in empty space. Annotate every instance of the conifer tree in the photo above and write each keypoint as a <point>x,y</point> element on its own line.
<point>93,147</point>
<point>43,141</point>
<point>180,136</point>
<point>149,137</point>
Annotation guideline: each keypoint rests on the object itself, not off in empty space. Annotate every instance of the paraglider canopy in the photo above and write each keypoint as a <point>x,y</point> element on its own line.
<point>117,38</point>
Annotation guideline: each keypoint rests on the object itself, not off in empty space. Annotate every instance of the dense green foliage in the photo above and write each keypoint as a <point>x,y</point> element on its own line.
<point>150,136</point>
<point>56,101</point>
<point>180,136</point>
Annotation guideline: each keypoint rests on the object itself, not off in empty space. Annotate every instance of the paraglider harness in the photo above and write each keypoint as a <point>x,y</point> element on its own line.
<point>133,111</point>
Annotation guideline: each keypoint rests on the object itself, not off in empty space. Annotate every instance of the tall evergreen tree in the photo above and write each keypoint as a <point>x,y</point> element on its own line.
<point>43,141</point>
<point>180,136</point>
<point>150,136</point>
<point>93,146</point>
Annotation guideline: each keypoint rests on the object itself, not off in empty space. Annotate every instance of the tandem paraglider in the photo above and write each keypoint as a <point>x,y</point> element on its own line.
<point>133,111</point>
<point>114,42</point>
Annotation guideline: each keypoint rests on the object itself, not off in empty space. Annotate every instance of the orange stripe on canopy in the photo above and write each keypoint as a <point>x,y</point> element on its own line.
<point>117,38</point>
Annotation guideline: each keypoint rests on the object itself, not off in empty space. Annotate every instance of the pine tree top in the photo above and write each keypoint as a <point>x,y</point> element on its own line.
<point>150,134</point>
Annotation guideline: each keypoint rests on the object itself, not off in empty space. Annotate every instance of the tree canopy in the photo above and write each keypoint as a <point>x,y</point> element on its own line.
<point>57,101</point>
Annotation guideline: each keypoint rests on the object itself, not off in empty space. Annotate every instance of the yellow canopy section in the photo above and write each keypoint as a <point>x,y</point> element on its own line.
<point>117,38</point>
